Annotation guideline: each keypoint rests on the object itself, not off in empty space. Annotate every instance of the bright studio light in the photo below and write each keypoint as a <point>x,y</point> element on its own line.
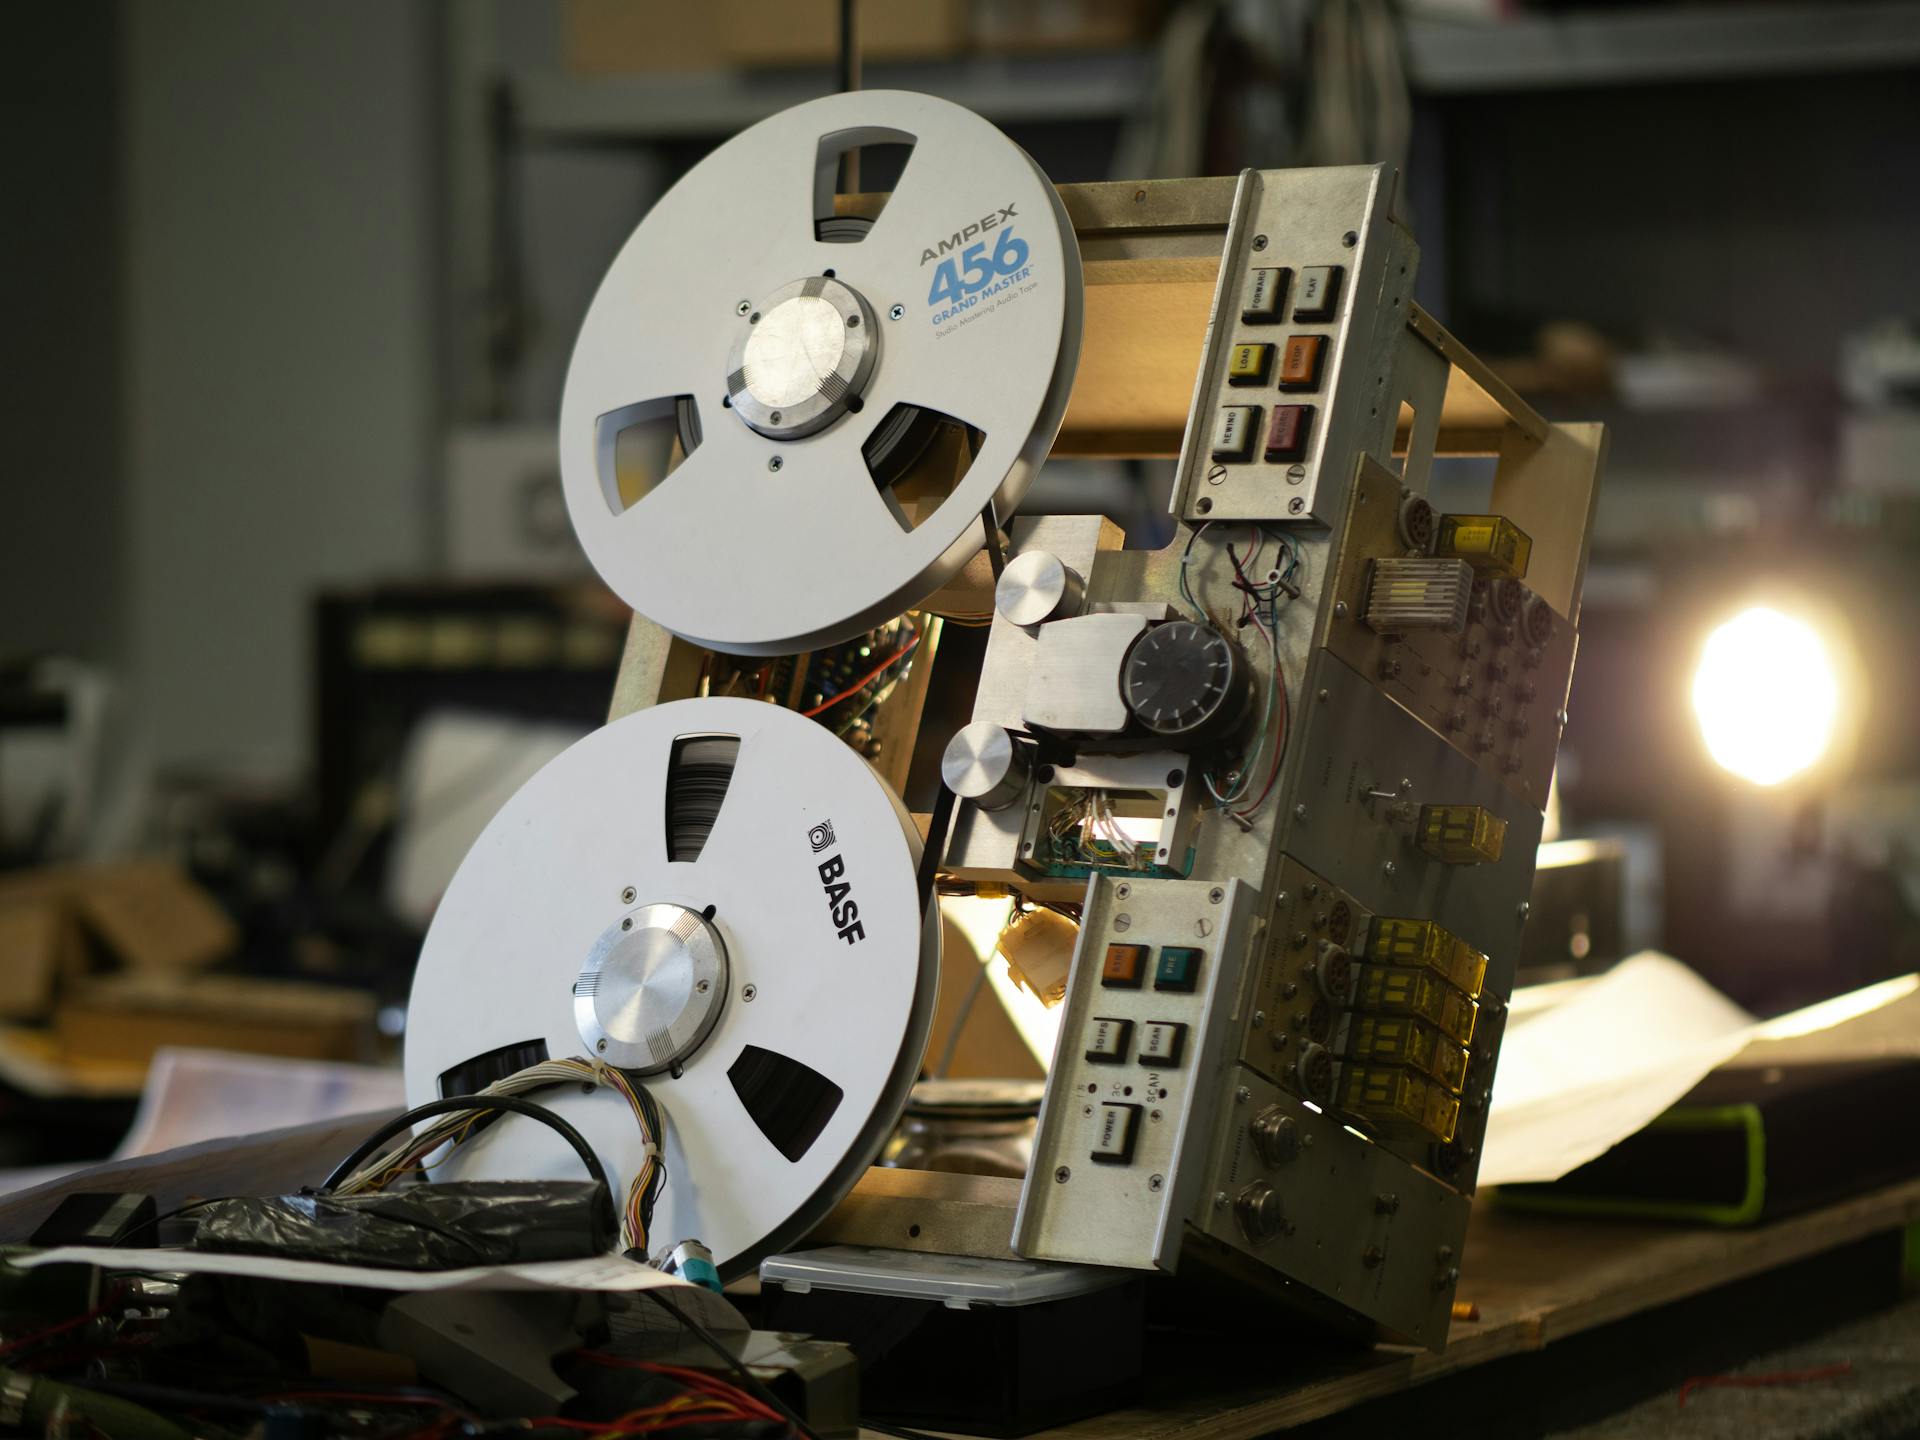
<point>1766,695</point>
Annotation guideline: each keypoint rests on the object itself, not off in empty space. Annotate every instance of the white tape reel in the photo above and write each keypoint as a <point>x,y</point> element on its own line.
<point>719,895</point>
<point>794,354</point>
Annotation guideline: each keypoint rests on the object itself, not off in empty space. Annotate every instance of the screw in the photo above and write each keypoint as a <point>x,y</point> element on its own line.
<point>853,322</point>
<point>1299,812</point>
<point>1386,1203</point>
<point>1321,697</point>
<point>1389,869</point>
<point>743,307</point>
<point>1061,1176</point>
<point>1203,928</point>
<point>1242,1095</point>
<point>747,992</point>
<point>1123,889</point>
<point>1372,1256</point>
<point>1296,505</point>
<point>774,462</point>
<point>626,896</point>
<point>627,924</point>
<point>775,417</point>
<point>1203,504</point>
<point>1154,1182</point>
<point>1219,1199</point>
<point>1340,609</point>
<point>1259,242</point>
<point>754,318</point>
<point>704,986</point>
<point>1153,1115</point>
<point>1259,1019</point>
<point>896,312</point>
<point>1123,922</point>
<point>1216,895</point>
<point>1350,239</point>
<point>1523,910</point>
<point>601,1046</point>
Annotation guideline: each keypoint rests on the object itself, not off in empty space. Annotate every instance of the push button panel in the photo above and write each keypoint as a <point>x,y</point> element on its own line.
<point>1316,271</point>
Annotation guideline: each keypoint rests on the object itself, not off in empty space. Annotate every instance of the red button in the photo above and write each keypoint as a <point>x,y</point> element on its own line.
<point>1287,437</point>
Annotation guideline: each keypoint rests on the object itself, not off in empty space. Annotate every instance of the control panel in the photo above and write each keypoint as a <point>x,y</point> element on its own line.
<point>1155,992</point>
<point>1297,351</point>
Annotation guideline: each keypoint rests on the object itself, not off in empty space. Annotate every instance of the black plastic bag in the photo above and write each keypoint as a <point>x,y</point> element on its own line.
<point>423,1227</point>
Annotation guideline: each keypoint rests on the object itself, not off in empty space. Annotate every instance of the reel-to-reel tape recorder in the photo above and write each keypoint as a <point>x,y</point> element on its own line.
<point>1286,775</point>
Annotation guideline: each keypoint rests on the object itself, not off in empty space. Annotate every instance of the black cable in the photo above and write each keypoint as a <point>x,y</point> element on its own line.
<point>748,1382</point>
<point>452,1103</point>
<point>168,1215</point>
<point>900,1430</point>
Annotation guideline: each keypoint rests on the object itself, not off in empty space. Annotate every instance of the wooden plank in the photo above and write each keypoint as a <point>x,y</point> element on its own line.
<point>1536,1280</point>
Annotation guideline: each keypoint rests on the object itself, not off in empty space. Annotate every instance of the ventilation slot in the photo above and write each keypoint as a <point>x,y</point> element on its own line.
<point>698,773</point>
<point>472,1076</point>
<point>789,1101</point>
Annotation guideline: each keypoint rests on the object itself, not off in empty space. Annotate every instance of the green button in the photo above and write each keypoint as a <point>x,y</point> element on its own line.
<point>1179,968</point>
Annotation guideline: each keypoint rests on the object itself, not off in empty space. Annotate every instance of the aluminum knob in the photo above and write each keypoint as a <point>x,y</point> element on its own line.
<point>1037,586</point>
<point>983,765</point>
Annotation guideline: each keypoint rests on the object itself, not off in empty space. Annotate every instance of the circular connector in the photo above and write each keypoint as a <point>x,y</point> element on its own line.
<point>1416,524</point>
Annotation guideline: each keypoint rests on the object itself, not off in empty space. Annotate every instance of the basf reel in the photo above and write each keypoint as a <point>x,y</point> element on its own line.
<point>782,424</point>
<point>717,897</point>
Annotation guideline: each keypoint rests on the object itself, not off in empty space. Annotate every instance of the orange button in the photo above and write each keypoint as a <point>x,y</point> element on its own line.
<point>1300,362</point>
<point>1125,968</point>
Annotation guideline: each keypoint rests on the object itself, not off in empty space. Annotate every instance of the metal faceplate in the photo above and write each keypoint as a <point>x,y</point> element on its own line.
<point>582,847</point>
<point>973,276</point>
<point>1132,1212</point>
<point>1297,221</point>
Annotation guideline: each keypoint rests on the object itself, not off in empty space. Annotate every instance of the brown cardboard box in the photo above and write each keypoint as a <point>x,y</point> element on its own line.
<point>128,1017</point>
<point>613,37</point>
<point>145,914</point>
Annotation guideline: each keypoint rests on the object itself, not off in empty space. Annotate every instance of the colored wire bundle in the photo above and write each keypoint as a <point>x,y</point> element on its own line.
<point>1258,599</point>
<point>905,652</point>
<point>410,1152</point>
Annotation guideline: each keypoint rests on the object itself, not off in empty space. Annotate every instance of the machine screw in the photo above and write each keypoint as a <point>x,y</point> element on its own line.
<point>627,924</point>
<point>1300,812</point>
<point>1386,1203</point>
<point>1321,697</point>
<point>1123,890</point>
<point>743,307</point>
<point>747,992</point>
<point>1296,505</point>
<point>1154,1182</point>
<point>1447,1277</point>
<point>1061,1176</point>
<point>704,986</point>
<point>1242,1095</point>
<point>896,312</point>
<point>1282,898</point>
<point>1523,910</point>
<point>1350,239</point>
<point>1259,242</point>
<point>1289,990</point>
<point>774,462</point>
<point>1216,895</point>
<point>601,1045</point>
<point>1340,608</point>
<point>1259,1019</point>
<point>853,321</point>
<point>1123,922</point>
<point>1203,928</point>
<point>1389,869</point>
<point>626,895</point>
<point>1219,1199</point>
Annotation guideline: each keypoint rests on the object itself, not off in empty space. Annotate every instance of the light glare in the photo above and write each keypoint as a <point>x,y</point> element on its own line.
<point>1766,696</point>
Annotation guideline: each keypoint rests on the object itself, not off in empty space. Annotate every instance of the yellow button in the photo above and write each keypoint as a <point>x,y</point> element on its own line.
<point>1249,364</point>
<point>1125,968</point>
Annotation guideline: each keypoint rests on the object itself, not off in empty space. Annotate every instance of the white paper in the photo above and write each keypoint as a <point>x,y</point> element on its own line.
<point>605,1272</point>
<point>1579,1075</point>
<point>195,1095</point>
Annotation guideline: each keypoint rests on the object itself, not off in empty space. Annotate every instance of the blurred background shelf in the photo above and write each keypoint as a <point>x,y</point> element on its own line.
<point>1632,46</point>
